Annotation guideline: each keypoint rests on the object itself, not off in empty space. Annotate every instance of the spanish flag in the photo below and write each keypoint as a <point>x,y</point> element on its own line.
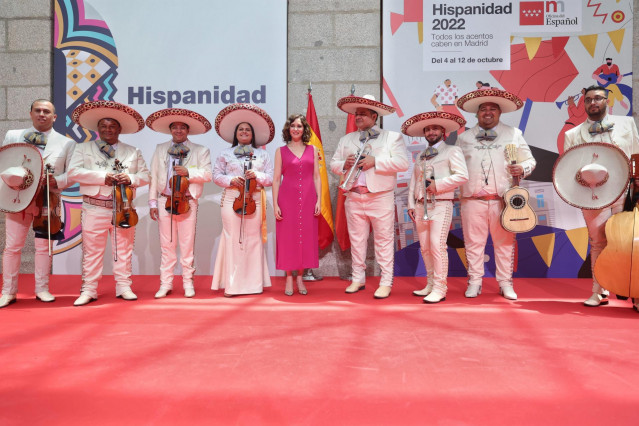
<point>341,228</point>
<point>325,220</point>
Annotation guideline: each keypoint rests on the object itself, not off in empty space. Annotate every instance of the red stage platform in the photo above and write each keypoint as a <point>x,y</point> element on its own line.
<point>324,358</point>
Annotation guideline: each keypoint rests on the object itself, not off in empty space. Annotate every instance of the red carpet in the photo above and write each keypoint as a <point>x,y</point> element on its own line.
<point>325,358</point>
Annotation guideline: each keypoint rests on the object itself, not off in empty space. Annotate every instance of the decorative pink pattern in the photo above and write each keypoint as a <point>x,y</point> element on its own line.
<point>363,102</point>
<point>450,122</point>
<point>108,105</point>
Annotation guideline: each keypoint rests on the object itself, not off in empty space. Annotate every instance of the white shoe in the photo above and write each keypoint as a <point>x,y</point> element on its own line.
<point>83,300</point>
<point>595,300</point>
<point>189,292</point>
<point>435,296</point>
<point>423,292</point>
<point>163,292</point>
<point>45,296</point>
<point>508,292</point>
<point>128,295</point>
<point>355,287</point>
<point>7,299</point>
<point>382,292</point>
<point>473,290</point>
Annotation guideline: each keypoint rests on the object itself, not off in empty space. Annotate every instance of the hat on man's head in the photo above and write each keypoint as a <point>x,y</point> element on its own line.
<point>21,169</point>
<point>591,176</point>
<point>414,126</point>
<point>350,104</point>
<point>160,121</point>
<point>89,114</point>
<point>507,102</point>
<point>228,119</point>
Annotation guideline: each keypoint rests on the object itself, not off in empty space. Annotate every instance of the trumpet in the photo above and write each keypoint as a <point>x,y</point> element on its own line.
<point>354,171</point>
<point>426,170</point>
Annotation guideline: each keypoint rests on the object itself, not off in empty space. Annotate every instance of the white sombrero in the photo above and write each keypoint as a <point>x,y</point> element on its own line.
<point>160,121</point>
<point>591,176</point>
<point>87,115</point>
<point>414,126</point>
<point>350,104</point>
<point>228,119</point>
<point>20,174</point>
<point>508,102</point>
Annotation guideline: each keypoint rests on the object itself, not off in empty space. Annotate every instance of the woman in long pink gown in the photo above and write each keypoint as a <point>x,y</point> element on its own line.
<point>296,199</point>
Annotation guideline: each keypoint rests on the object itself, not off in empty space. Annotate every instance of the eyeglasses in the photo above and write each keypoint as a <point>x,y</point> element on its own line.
<point>595,99</point>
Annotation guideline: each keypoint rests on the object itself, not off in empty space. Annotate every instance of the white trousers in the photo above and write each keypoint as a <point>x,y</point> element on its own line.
<point>596,224</point>
<point>480,217</point>
<point>433,235</point>
<point>96,227</point>
<point>184,235</point>
<point>17,229</point>
<point>362,212</point>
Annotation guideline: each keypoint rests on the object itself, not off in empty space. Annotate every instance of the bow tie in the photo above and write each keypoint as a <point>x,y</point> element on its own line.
<point>429,152</point>
<point>106,149</point>
<point>486,135</point>
<point>368,134</point>
<point>598,127</point>
<point>243,151</point>
<point>38,139</point>
<point>178,150</point>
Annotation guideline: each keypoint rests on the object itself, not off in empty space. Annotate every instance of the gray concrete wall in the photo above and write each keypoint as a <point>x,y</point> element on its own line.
<point>324,47</point>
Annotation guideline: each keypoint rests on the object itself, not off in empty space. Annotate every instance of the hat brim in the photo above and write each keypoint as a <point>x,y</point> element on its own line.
<point>29,157</point>
<point>160,121</point>
<point>350,104</point>
<point>507,102</point>
<point>228,119</point>
<point>89,114</point>
<point>414,126</point>
<point>572,160</point>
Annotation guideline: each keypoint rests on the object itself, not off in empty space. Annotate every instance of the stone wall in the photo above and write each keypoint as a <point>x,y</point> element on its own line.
<point>332,43</point>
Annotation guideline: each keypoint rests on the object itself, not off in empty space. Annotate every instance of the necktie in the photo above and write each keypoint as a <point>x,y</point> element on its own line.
<point>429,152</point>
<point>486,135</point>
<point>368,134</point>
<point>178,150</point>
<point>38,139</point>
<point>599,127</point>
<point>106,149</point>
<point>243,151</point>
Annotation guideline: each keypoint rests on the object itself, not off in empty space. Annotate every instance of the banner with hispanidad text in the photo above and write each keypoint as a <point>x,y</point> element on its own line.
<point>545,52</point>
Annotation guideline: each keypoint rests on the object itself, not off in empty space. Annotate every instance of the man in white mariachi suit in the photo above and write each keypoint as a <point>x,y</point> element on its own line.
<point>56,151</point>
<point>371,200</point>
<point>489,177</point>
<point>602,127</point>
<point>93,167</point>
<point>445,169</point>
<point>180,157</point>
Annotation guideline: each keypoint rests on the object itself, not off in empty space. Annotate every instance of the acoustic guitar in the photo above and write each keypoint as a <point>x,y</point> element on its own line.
<point>517,215</point>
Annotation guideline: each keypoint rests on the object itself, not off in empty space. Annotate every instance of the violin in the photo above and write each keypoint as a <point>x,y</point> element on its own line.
<point>124,215</point>
<point>178,203</point>
<point>244,204</point>
<point>47,220</point>
<point>617,268</point>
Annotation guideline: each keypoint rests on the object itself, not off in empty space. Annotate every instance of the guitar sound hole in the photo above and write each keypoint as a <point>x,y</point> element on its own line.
<point>517,202</point>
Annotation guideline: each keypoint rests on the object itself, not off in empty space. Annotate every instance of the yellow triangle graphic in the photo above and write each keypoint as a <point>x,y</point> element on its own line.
<point>589,42</point>
<point>545,245</point>
<point>617,38</point>
<point>420,32</point>
<point>532,46</point>
<point>511,39</point>
<point>579,239</point>
<point>461,252</point>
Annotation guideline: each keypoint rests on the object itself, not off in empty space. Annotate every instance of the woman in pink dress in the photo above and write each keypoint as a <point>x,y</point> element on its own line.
<point>296,199</point>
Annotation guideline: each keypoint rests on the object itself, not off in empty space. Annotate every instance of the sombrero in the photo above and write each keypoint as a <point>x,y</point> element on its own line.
<point>350,104</point>
<point>228,119</point>
<point>508,102</point>
<point>591,176</point>
<point>160,121</point>
<point>20,173</point>
<point>414,126</point>
<point>87,115</point>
